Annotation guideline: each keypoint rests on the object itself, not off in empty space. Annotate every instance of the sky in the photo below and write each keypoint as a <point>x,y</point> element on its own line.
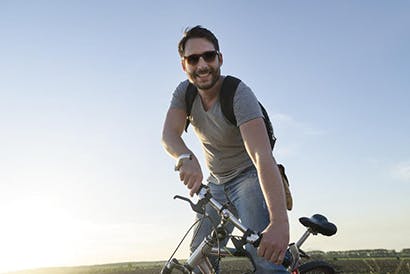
<point>85,86</point>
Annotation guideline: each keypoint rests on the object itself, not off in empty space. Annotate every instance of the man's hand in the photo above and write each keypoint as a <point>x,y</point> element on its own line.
<point>274,242</point>
<point>191,175</point>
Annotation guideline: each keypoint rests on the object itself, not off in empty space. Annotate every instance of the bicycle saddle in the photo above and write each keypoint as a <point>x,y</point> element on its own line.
<point>319,224</point>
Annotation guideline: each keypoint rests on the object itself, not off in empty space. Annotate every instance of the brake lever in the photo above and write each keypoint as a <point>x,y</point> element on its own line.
<point>198,208</point>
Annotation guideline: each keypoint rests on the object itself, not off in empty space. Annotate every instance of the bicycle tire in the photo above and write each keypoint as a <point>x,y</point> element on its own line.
<point>318,267</point>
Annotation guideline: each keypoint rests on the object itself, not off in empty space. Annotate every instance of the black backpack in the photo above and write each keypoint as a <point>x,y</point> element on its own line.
<point>228,89</point>
<point>226,96</point>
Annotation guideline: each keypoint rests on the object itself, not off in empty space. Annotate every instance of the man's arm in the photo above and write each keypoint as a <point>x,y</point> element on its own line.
<point>276,236</point>
<point>190,172</point>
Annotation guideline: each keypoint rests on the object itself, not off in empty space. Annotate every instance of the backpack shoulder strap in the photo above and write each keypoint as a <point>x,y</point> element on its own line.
<point>269,127</point>
<point>190,95</point>
<point>228,89</point>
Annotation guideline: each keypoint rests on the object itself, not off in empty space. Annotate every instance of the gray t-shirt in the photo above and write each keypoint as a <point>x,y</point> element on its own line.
<point>222,143</point>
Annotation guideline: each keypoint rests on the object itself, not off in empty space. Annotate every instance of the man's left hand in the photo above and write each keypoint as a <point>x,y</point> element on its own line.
<point>274,242</point>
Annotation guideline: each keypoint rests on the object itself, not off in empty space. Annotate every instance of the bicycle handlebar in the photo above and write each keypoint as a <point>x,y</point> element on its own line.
<point>249,236</point>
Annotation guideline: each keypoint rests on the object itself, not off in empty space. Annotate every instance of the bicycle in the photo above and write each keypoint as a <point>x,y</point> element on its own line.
<point>295,257</point>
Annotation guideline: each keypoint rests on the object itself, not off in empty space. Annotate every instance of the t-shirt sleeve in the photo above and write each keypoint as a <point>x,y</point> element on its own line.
<point>245,105</point>
<point>178,96</point>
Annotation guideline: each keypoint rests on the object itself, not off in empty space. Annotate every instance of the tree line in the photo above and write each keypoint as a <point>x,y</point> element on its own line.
<point>362,253</point>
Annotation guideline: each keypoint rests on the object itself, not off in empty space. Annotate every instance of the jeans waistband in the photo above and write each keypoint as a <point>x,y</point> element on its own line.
<point>249,168</point>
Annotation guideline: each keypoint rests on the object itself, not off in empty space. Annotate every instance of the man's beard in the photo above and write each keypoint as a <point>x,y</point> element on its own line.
<point>215,74</point>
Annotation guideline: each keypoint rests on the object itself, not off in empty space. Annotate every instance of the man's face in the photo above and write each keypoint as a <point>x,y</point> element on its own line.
<point>198,63</point>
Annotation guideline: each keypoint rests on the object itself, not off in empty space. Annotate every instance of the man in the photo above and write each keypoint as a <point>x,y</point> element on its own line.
<point>239,158</point>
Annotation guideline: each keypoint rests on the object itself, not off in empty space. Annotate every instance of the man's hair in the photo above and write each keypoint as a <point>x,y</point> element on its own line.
<point>197,32</point>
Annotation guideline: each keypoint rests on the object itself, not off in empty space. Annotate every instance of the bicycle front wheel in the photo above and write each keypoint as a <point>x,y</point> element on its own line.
<point>318,267</point>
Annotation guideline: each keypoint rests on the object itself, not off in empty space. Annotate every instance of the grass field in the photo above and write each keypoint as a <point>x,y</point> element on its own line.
<point>236,266</point>
<point>372,265</point>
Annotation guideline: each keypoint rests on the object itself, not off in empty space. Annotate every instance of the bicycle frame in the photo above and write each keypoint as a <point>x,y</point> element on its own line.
<point>200,256</point>
<point>209,246</point>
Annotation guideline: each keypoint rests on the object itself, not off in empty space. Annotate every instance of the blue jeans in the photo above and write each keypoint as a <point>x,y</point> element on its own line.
<point>245,195</point>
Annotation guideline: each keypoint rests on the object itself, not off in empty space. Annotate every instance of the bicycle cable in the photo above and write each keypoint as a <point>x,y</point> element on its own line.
<point>213,223</point>
<point>186,234</point>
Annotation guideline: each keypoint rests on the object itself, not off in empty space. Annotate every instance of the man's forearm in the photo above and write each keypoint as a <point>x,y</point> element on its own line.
<point>174,145</point>
<point>272,187</point>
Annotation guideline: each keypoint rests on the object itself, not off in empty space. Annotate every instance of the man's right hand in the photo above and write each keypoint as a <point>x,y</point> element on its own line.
<point>190,174</point>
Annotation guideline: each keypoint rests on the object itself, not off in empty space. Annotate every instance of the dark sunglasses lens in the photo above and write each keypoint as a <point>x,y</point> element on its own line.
<point>193,59</point>
<point>209,56</point>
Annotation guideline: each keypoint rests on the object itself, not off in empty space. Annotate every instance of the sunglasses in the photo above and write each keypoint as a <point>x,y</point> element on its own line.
<point>208,56</point>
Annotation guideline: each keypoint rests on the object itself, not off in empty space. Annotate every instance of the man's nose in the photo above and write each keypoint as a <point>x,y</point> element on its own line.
<point>202,63</point>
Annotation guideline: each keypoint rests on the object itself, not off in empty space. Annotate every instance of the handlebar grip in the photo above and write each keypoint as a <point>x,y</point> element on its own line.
<point>288,260</point>
<point>258,242</point>
<point>201,187</point>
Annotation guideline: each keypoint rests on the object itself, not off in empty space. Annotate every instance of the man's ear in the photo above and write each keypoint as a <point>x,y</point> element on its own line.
<point>220,58</point>
<point>183,65</point>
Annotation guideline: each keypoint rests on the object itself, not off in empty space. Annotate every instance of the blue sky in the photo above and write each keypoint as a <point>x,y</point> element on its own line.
<point>85,86</point>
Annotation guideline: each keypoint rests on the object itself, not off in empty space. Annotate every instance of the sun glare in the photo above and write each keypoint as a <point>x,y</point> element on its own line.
<point>34,233</point>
